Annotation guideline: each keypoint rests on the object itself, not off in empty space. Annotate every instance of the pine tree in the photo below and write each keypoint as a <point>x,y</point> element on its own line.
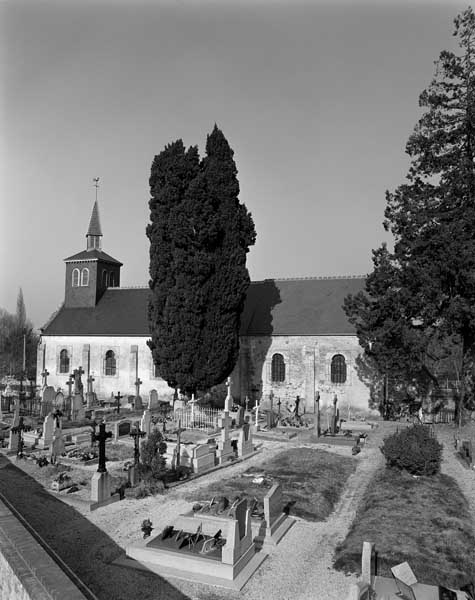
<point>431,286</point>
<point>199,237</point>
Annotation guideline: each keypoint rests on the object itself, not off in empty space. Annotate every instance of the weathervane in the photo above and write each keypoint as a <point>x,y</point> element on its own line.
<point>96,184</point>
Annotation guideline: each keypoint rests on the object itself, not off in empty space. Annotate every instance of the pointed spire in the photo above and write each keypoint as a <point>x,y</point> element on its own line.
<point>94,233</point>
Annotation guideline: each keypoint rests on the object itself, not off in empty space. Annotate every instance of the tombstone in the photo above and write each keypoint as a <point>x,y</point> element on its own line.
<point>77,408</point>
<point>239,534</point>
<point>225,450</point>
<point>48,427</point>
<point>146,422</point>
<point>277,521</point>
<point>123,428</point>
<point>203,458</point>
<point>153,400</point>
<point>57,446</point>
<point>240,416</point>
<point>138,404</point>
<point>245,445</point>
<point>90,395</point>
<point>47,402</point>
<point>59,400</point>
<point>101,481</point>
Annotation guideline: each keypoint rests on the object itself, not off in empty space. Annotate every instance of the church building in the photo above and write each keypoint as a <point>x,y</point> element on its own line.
<point>295,338</point>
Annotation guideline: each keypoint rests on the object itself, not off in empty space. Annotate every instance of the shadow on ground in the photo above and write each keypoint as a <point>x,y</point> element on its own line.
<point>85,548</point>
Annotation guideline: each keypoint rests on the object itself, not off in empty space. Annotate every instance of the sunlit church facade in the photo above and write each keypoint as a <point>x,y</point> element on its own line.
<point>294,340</point>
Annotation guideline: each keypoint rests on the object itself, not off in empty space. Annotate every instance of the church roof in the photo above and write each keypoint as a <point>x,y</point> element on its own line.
<point>94,254</point>
<point>307,306</point>
<point>94,223</point>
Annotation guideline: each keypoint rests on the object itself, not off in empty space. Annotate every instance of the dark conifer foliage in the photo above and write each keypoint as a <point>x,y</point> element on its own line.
<point>199,237</point>
<point>428,293</point>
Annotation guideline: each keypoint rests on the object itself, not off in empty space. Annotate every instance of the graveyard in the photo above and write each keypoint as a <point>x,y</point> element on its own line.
<point>240,500</point>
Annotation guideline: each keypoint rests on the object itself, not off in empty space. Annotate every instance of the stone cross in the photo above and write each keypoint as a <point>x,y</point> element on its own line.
<point>45,377</point>
<point>118,398</point>
<point>78,387</point>
<point>70,384</point>
<point>90,381</point>
<point>101,437</point>
<point>136,433</point>
<point>138,383</point>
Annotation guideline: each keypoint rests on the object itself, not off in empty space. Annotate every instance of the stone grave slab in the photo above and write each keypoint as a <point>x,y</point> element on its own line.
<point>277,522</point>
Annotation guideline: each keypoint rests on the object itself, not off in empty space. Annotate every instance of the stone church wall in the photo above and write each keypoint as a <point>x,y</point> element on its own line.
<point>307,371</point>
<point>89,353</point>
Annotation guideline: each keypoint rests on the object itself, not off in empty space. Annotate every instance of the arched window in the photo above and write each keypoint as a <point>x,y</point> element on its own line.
<point>110,366</point>
<point>278,368</point>
<point>111,279</point>
<point>64,361</point>
<point>104,278</point>
<point>338,369</point>
<point>75,277</point>
<point>85,277</point>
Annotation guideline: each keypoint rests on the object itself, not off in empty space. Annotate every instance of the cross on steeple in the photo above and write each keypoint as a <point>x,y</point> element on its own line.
<point>94,233</point>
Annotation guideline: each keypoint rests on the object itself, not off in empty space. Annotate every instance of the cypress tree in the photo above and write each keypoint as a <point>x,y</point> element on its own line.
<point>199,237</point>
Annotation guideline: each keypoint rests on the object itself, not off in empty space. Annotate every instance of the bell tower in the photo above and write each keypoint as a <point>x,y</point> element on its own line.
<point>90,272</point>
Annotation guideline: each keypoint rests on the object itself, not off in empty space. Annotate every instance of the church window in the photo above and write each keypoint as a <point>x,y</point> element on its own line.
<point>338,369</point>
<point>104,278</point>
<point>64,361</point>
<point>85,277</point>
<point>111,279</point>
<point>110,363</point>
<point>75,278</point>
<point>155,371</point>
<point>278,368</point>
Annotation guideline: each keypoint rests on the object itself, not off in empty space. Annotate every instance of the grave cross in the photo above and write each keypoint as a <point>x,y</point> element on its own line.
<point>278,404</point>
<point>70,384</point>
<point>118,398</point>
<point>45,377</point>
<point>138,383</point>
<point>20,428</point>
<point>101,437</point>
<point>57,414</point>
<point>136,433</point>
<point>178,442</point>
<point>90,381</point>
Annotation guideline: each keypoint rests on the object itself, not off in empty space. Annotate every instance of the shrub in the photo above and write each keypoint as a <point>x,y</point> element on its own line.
<point>413,449</point>
<point>152,451</point>
<point>149,487</point>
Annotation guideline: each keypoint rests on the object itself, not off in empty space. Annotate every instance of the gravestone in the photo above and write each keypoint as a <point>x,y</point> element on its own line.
<point>225,450</point>
<point>77,408</point>
<point>239,535</point>
<point>123,428</point>
<point>277,522</point>
<point>48,400</point>
<point>153,400</point>
<point>101,481</point>
<point>59,400</point>
<point>57,446</point>
<point>48,427</point>
<point>138,404</point>
<point>203,458</point>
<point>245,445</point>
<point>146,422</point>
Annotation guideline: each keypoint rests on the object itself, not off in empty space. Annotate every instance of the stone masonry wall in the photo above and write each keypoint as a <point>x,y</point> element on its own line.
<point>307,371</point>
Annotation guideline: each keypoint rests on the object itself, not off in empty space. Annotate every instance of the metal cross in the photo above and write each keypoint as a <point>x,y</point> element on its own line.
<point>118,398</point>
<point>45,377</point>
<point>136,433</point>
<point>20,428</point>
<point>101,437</point>
<point>70,384</point>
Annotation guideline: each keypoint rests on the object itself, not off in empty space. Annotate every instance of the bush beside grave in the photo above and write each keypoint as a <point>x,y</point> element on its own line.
<point>153,462</point>
<point>413,449</point>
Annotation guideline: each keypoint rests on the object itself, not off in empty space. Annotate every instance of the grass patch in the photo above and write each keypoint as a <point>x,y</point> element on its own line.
<point>424,521</point>
<point>312,482</point>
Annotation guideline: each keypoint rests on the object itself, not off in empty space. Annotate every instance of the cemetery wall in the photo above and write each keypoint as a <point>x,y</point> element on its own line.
<point>307,368</point>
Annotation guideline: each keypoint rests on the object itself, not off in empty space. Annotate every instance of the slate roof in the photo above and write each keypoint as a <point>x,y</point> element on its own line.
<point>308,306</point>
<point>94,254</point>
<point>94,223</point>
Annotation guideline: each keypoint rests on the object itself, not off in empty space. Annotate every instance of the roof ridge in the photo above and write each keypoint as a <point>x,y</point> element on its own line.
<point>130,287</point>
<point>311,277</point>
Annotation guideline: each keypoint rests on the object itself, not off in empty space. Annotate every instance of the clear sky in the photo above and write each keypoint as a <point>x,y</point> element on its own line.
<point>316,98</point>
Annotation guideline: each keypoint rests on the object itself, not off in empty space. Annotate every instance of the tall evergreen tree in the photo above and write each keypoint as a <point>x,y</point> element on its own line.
<point>432,284</point>
<point>199,234</point>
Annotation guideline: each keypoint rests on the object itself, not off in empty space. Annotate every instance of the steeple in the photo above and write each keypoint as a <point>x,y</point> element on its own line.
<point>94,233</point>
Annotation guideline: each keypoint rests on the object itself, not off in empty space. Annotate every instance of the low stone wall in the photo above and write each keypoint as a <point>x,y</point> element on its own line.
<point>27,572</point>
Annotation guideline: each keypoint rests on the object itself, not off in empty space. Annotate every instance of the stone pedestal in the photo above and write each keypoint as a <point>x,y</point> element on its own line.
<point>100,488</point>
<point>133,476</point>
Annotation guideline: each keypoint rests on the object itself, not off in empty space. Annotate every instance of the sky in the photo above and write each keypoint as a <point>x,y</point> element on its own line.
<point>316,98</point>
